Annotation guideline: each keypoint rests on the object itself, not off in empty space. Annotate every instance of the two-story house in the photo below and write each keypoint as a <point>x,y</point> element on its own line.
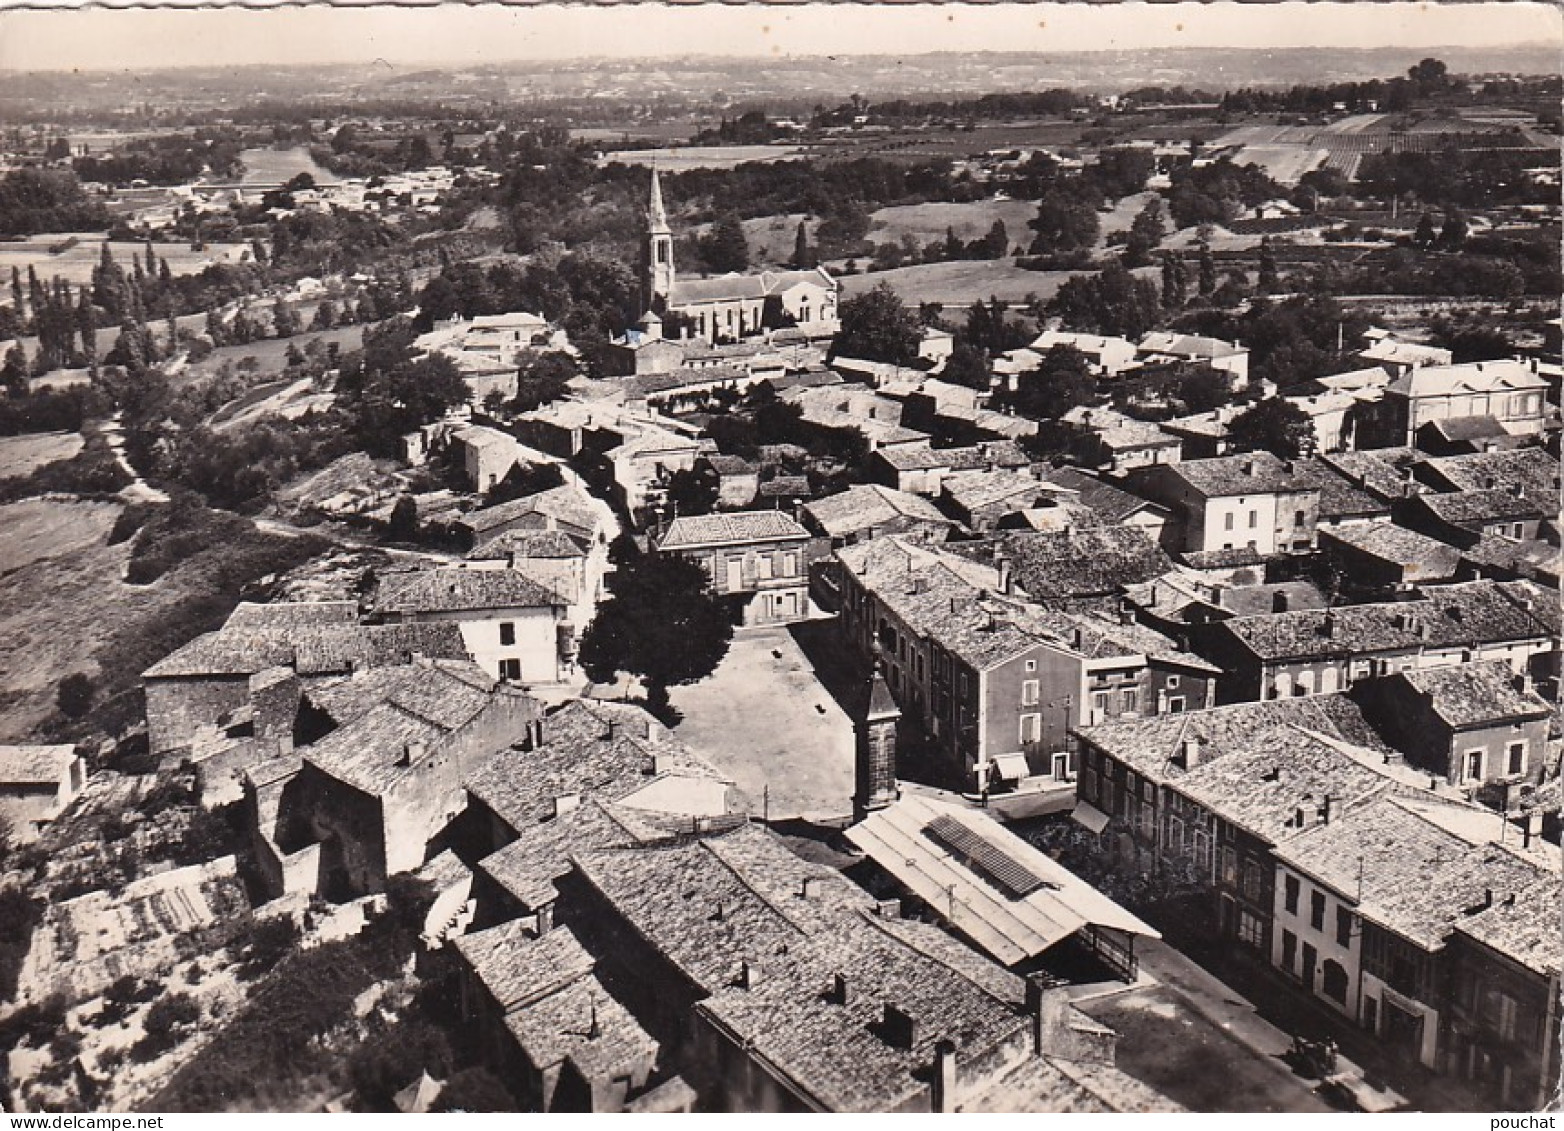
<point>1511,392</point>
<point>1472,724</point>
<point>1318,651</point>
<point>1251,500</point>
<point>758,557</point>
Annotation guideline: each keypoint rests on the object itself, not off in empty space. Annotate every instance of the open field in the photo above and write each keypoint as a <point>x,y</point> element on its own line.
<point>929,222</point>
<point>270,354</point>
<point>75,263</point>
<point>960,283</point>
<point>770,238</point>
<point>21,455</point>
<point>60,600</point>
<point>681,158</point>
<point>276,166</point>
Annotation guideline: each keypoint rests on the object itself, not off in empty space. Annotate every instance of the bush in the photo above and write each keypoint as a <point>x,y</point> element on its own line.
<point>75,695</point>
<point>475,1090</point>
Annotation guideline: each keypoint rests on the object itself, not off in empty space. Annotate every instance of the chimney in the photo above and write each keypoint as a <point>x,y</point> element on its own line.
<point>1489,483</point>
<point>841,990</point>
<point>535,733</point>
<point>1279,601</point>
<point>566,803</point>
<point>413,752</point>
<point>812,888</point>
<point>888,909</point>
<point>1301,817</point>
<point>1327,810</point>
<point>749,975</point>
<point>1518,490</point>
<point>900,1027</point>
<point>1189,752</point>
<point>1126,613</point>
<point>1328,625</point>
<point>1004,564</point>
<point>942,1084</point>
<point>654,732</point>
<point>1248,467</point>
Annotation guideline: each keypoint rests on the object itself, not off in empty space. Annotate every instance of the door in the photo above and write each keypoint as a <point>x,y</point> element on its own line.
<point>1310,957</point>
<point>1061,767</point>
<point>735,575</point>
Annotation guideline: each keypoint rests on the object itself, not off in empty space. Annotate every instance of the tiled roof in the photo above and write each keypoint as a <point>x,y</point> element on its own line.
<point>447,692</point>
<point>1341,497</point>
<point>1469,695</point>
<point>1109,502</point>
<point>518,969</point>
<point>35,765</point>
<point>1152,746</point>
<point>1251,473</point>
<point>376,748</point>
<point>564,504</point>
<point>861,507</point>
<point>461,590</point>
<point>1084,563</point>
<point>1532,469</point>
<point>918,457</point>
<point>529,867</point>
<point>1471,509</point>
<point>1445,616</point>
<point>735,286</point>
<point>1475,376</point>
<point>598,749</point>
<point>1378,471</point>
<point>323,649</point>
<point>1188,345</point>
<point>1427,558</point>
<point>527,544</point>
<point>734,528</point>
<point>711,907</point>
<point>1522,922</point>
<point>248,615</point>
<point>973,490</point>
<point>730,465</point>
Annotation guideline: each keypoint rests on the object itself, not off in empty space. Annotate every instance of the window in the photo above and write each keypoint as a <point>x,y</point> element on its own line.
<point>1029,693</point>
<point>1100,704</point>
<point>1517,757</point>
<point>763,564</point>
<point>1229,866</point>
<point>1089,784</point>
<point>1131,701</point>
<point>507,633</point>
<point>1474,765</point>
<point>1176,705</point>
<point>1031,665</point>
<point>789,565</point>
<point>1317,910</point>
<point>1289,951</point>
<point>1031,728</point>
<point>1334,981</point>
<point>1251,932</point>
<point>1254,519</point>
<point>1173,681</point>
<point>1228,521</point>
<point>510,669</point>
<point>1343,927</point>
<point>1290,888</point>
<point>1298,519</point>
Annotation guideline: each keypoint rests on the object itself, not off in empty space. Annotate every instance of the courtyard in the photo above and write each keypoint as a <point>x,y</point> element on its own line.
<point>764,719</point>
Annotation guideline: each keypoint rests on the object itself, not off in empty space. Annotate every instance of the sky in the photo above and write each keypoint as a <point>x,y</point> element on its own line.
<point>103,38</point>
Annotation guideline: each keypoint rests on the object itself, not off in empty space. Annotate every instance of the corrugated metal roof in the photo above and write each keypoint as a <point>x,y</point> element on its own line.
<point>1010,921</point>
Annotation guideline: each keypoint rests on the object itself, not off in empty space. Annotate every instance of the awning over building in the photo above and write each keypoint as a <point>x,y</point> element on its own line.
<point>1007,897</point>
<point>1087,814</point>
<point>1011,767</point>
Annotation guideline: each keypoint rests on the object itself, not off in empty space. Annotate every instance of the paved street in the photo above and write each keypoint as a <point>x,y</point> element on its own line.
<point>764,719</point>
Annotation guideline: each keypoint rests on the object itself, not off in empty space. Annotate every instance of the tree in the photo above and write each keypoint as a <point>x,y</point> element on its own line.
<point>325,316</point>
<point>524,479</point>
<point>1062,381</point>
<point>1146,232</point>
<point>803,255</point>
<point>1453,234</point>
<point>75,695</point>
<point>877,327</point>
<point>1175,281</point>
<point>1425,235</point>
<point>966,366</point>
<point>726,249</point>
<point>475,1090</point>
<point>660,622</point>
<point>1270,278</point>
<point>542,378</point>
<point>1274,425</point>
<point>1110,302</point>
<point>1203,388</point>
<point>996,244</point>
<point>13,375</point>
<point>1066,227</point>
<point>384,405</point>
<point>693,491</point>
<point>1207,271</point>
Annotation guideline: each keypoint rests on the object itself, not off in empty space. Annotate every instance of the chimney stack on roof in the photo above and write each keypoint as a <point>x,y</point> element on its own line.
<point>1190,751</point>
<point>1005,566</point>
<point>899,1026</point>
<point>749,975</point>
<point>942,1084</point>
<point>841,989</point>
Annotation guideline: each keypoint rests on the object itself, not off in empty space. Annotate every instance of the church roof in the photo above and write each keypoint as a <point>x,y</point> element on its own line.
<point>656,214</point>
<point>731,287</point>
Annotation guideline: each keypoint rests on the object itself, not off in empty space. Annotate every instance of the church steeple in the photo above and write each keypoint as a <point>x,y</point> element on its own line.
<point>657,279</point>
<point>874,779</point>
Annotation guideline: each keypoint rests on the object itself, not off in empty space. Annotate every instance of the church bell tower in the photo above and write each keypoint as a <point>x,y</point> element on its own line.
<point>657,278</point>
<point>874,779</point>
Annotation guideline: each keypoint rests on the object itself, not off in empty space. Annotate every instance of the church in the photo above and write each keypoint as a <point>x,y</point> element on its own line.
<point>727,308</point>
